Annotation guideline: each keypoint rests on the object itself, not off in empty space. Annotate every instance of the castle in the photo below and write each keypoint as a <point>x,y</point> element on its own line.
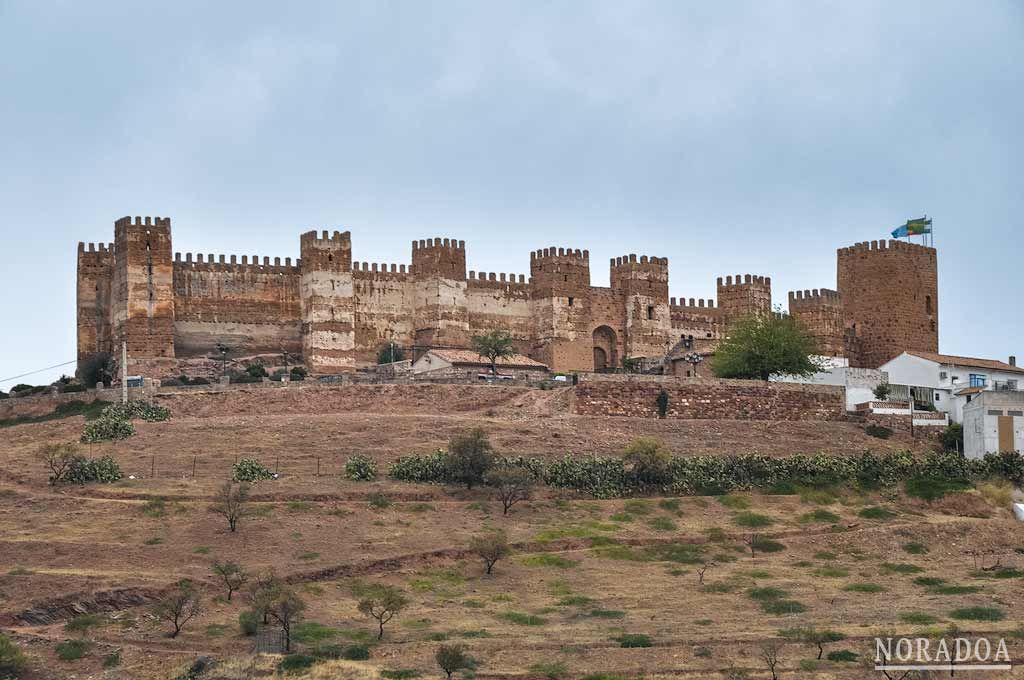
<point>336,313</point>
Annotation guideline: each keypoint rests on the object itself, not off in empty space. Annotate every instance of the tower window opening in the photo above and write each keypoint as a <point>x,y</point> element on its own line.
<point>650,311</point>
<point>927,304</point>
<point>571,301</point>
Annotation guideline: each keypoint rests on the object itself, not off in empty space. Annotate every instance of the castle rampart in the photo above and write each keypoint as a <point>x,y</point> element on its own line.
<point>337,312</point>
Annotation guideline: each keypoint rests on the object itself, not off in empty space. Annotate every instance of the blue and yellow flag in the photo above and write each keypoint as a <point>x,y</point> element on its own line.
<point>922,225</point>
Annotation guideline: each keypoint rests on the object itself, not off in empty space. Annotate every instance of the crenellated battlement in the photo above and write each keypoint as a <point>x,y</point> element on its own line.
<point>443,258</point>
<point>95,253</point>
<point>744,280</point>
<point>630,260</point>
<point>240,263</point>
<point>813,298</point>
<point>326,239</point>
<point>693,303</point>
<point>142,222</point>
<point>578,256</point>
<point>882,245</point>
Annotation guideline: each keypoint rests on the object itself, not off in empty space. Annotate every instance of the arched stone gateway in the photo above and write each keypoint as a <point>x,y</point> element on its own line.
<point>605,355</point>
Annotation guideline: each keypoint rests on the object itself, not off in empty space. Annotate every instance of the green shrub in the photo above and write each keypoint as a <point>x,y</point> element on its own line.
<point>952,438</point>
<point>361,468</point>
<point>630,640</point>
<point>522,619</point>
<point>299,373</point>
<point>72,650</point>
<point>72,387</point>
<point>782,607</point>
<point>550,670</point>
<point>256,370</point>
<point>955,590</point>
<point>296,663</point>
<point>250,470</point>
<point>12,660</point>
<point>878,431</point>
<point>734,501</point>
<point>929,487</point>
<point>929,581</point>
<point>112,660</point>
<point>901,568</point>
<point>379,501</point>
<point>83,622</point>
<point>141,410</point>
<point>84,470</point>
<point>248,622</point>
<point>662,524</point>
<point>918,619</point>
<point>766,545</point>
<point>548,560</point>
<point>864,588</point>
<point>978,614</point>
<point>105,429</point>
<point>842,655</point>
<point>356,652</point>
<point>915,548</point>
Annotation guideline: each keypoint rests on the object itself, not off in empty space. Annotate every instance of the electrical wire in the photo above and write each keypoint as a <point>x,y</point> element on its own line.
<point>48,368</point>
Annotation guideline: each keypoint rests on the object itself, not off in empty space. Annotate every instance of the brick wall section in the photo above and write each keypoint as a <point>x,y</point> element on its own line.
<point>700,398</point>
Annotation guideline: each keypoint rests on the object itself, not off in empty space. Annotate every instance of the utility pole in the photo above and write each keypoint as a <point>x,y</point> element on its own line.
<point>124,372</point>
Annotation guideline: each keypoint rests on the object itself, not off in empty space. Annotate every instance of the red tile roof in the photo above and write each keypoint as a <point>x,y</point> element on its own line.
<point>971,362</point>
<point>469,357</point>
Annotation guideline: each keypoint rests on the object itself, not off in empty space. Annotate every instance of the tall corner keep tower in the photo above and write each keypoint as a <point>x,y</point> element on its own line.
<point>142,287</point>
<point>440,317</point>
<point>643,285</point>
<point>890,300</point>
<point>560,308</point>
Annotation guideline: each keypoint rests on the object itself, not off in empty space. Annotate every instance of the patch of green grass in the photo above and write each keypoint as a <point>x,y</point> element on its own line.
<point>473,604</point>
<point>575,601</point>
<point>876,512</point>
<point>864,588</point>
<point>704,622</point>
<point>623,517</point>
<point>752,520</point>
<point>1002,572</point>
<point>680,553</point>
<point>716,534</point>
<point>312,632</point>
<point>978,614</point>
<point>587,530</point>
<point>72,650</point>
<point>379,501</point>
<point>155,540</point>
<point>929,581</point>
<point>633,640</point>
<point>82,623</point>
<point>417,624</point>
<point>216,629</point>
<point>758,573</point>
<point>817,496</point>
<point>719,587</point>
<point>19,571</point>
<point>766,593</point>
<point>417,507</point>
<point>638,506</point>
<point>825,555</point>
<point>832,572</point>
<point>298,506</point>
<point>734,501</point>
<point>548,560</point>
<point>296,663</point>
<point>918,618</point>
<point>670,504</point>
<point>662,524</point>
<point>203,550</point>
<point>618,551</point>
<point>606,614</point>
<point>399,674</point>
<point>308,556</point>
<point>930,488</point>
<point>901,568</point>
<point>550,670</point>
<point>915,548</point>
<point>766,545</point>
<point>955,590</point>
<point>820,515</point>
<point>521,619</point>
<point>842,655</point>
<point>783,607</point>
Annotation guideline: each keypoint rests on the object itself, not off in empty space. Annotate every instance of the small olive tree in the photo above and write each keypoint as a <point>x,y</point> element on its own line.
<point>230,502</point>
<point>452,658</point>
<point>179,606</point>
<point>58,459</point>
<point>490,547</point>
<point>511,484</point>
<point>231,574</point>
<point>381,604</point>
<point>262,592</point>
<point>470,457</point>
<point>497,344</point>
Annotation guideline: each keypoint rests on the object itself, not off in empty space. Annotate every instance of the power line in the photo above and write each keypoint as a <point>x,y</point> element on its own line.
<point>48,368</point>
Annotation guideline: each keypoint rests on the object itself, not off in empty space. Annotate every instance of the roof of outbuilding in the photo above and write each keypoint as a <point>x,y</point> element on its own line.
<point>971,362</point>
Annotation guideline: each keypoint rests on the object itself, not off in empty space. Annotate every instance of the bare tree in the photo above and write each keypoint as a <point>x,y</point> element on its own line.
<point>286,609</point>
<point>381,604</point>
<point>230,502</point>
<point>511,484</point>
<point>810,635</point>
<point>490,547</point>
<point>231,574</point>
<point>770,656</point>
<point>262,593</point>
<point>703,568</point>
<point>58,459</point>
<point>751,541</point>
<point>179,606</point>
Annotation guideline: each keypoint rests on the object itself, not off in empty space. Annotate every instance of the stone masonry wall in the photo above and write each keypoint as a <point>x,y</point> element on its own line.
<point>699,398</point>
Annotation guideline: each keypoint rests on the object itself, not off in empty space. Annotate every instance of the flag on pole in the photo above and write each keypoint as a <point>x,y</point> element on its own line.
<point>922,225</point>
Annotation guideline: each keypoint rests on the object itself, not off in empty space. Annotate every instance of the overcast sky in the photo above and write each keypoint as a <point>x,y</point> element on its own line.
<point>729,137</point>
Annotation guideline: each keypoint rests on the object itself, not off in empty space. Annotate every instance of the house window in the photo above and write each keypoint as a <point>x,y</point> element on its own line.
<point>938,396</point>
<point>978,380</point>
<point>995,412</point>
<point>1015,413</point>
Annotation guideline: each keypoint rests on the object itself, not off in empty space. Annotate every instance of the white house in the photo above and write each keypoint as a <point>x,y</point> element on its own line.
<point>949,382</point>
<point>463,363</point>
<point>994,422</point>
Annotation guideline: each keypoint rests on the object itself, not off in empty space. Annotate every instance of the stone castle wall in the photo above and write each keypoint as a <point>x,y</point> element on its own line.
<point>701,398</point>
<point>337,312</point>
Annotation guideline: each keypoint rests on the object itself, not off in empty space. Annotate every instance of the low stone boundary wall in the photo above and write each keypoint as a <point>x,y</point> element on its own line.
<point>701,398</point>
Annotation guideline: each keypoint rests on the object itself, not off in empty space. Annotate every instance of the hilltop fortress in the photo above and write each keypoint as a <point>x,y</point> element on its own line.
<point>336,313</point>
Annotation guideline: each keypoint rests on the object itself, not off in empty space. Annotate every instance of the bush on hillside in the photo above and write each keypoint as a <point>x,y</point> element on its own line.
<point>12,660</point>
<point>105,429</point>
<point>878,431</point>
<point>142,410</point>
<point>361,468</point>
<point>84,470</point>
<point>250,470</point>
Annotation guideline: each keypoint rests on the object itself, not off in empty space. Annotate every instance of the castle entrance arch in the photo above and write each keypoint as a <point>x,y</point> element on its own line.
<point>605,355</point>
